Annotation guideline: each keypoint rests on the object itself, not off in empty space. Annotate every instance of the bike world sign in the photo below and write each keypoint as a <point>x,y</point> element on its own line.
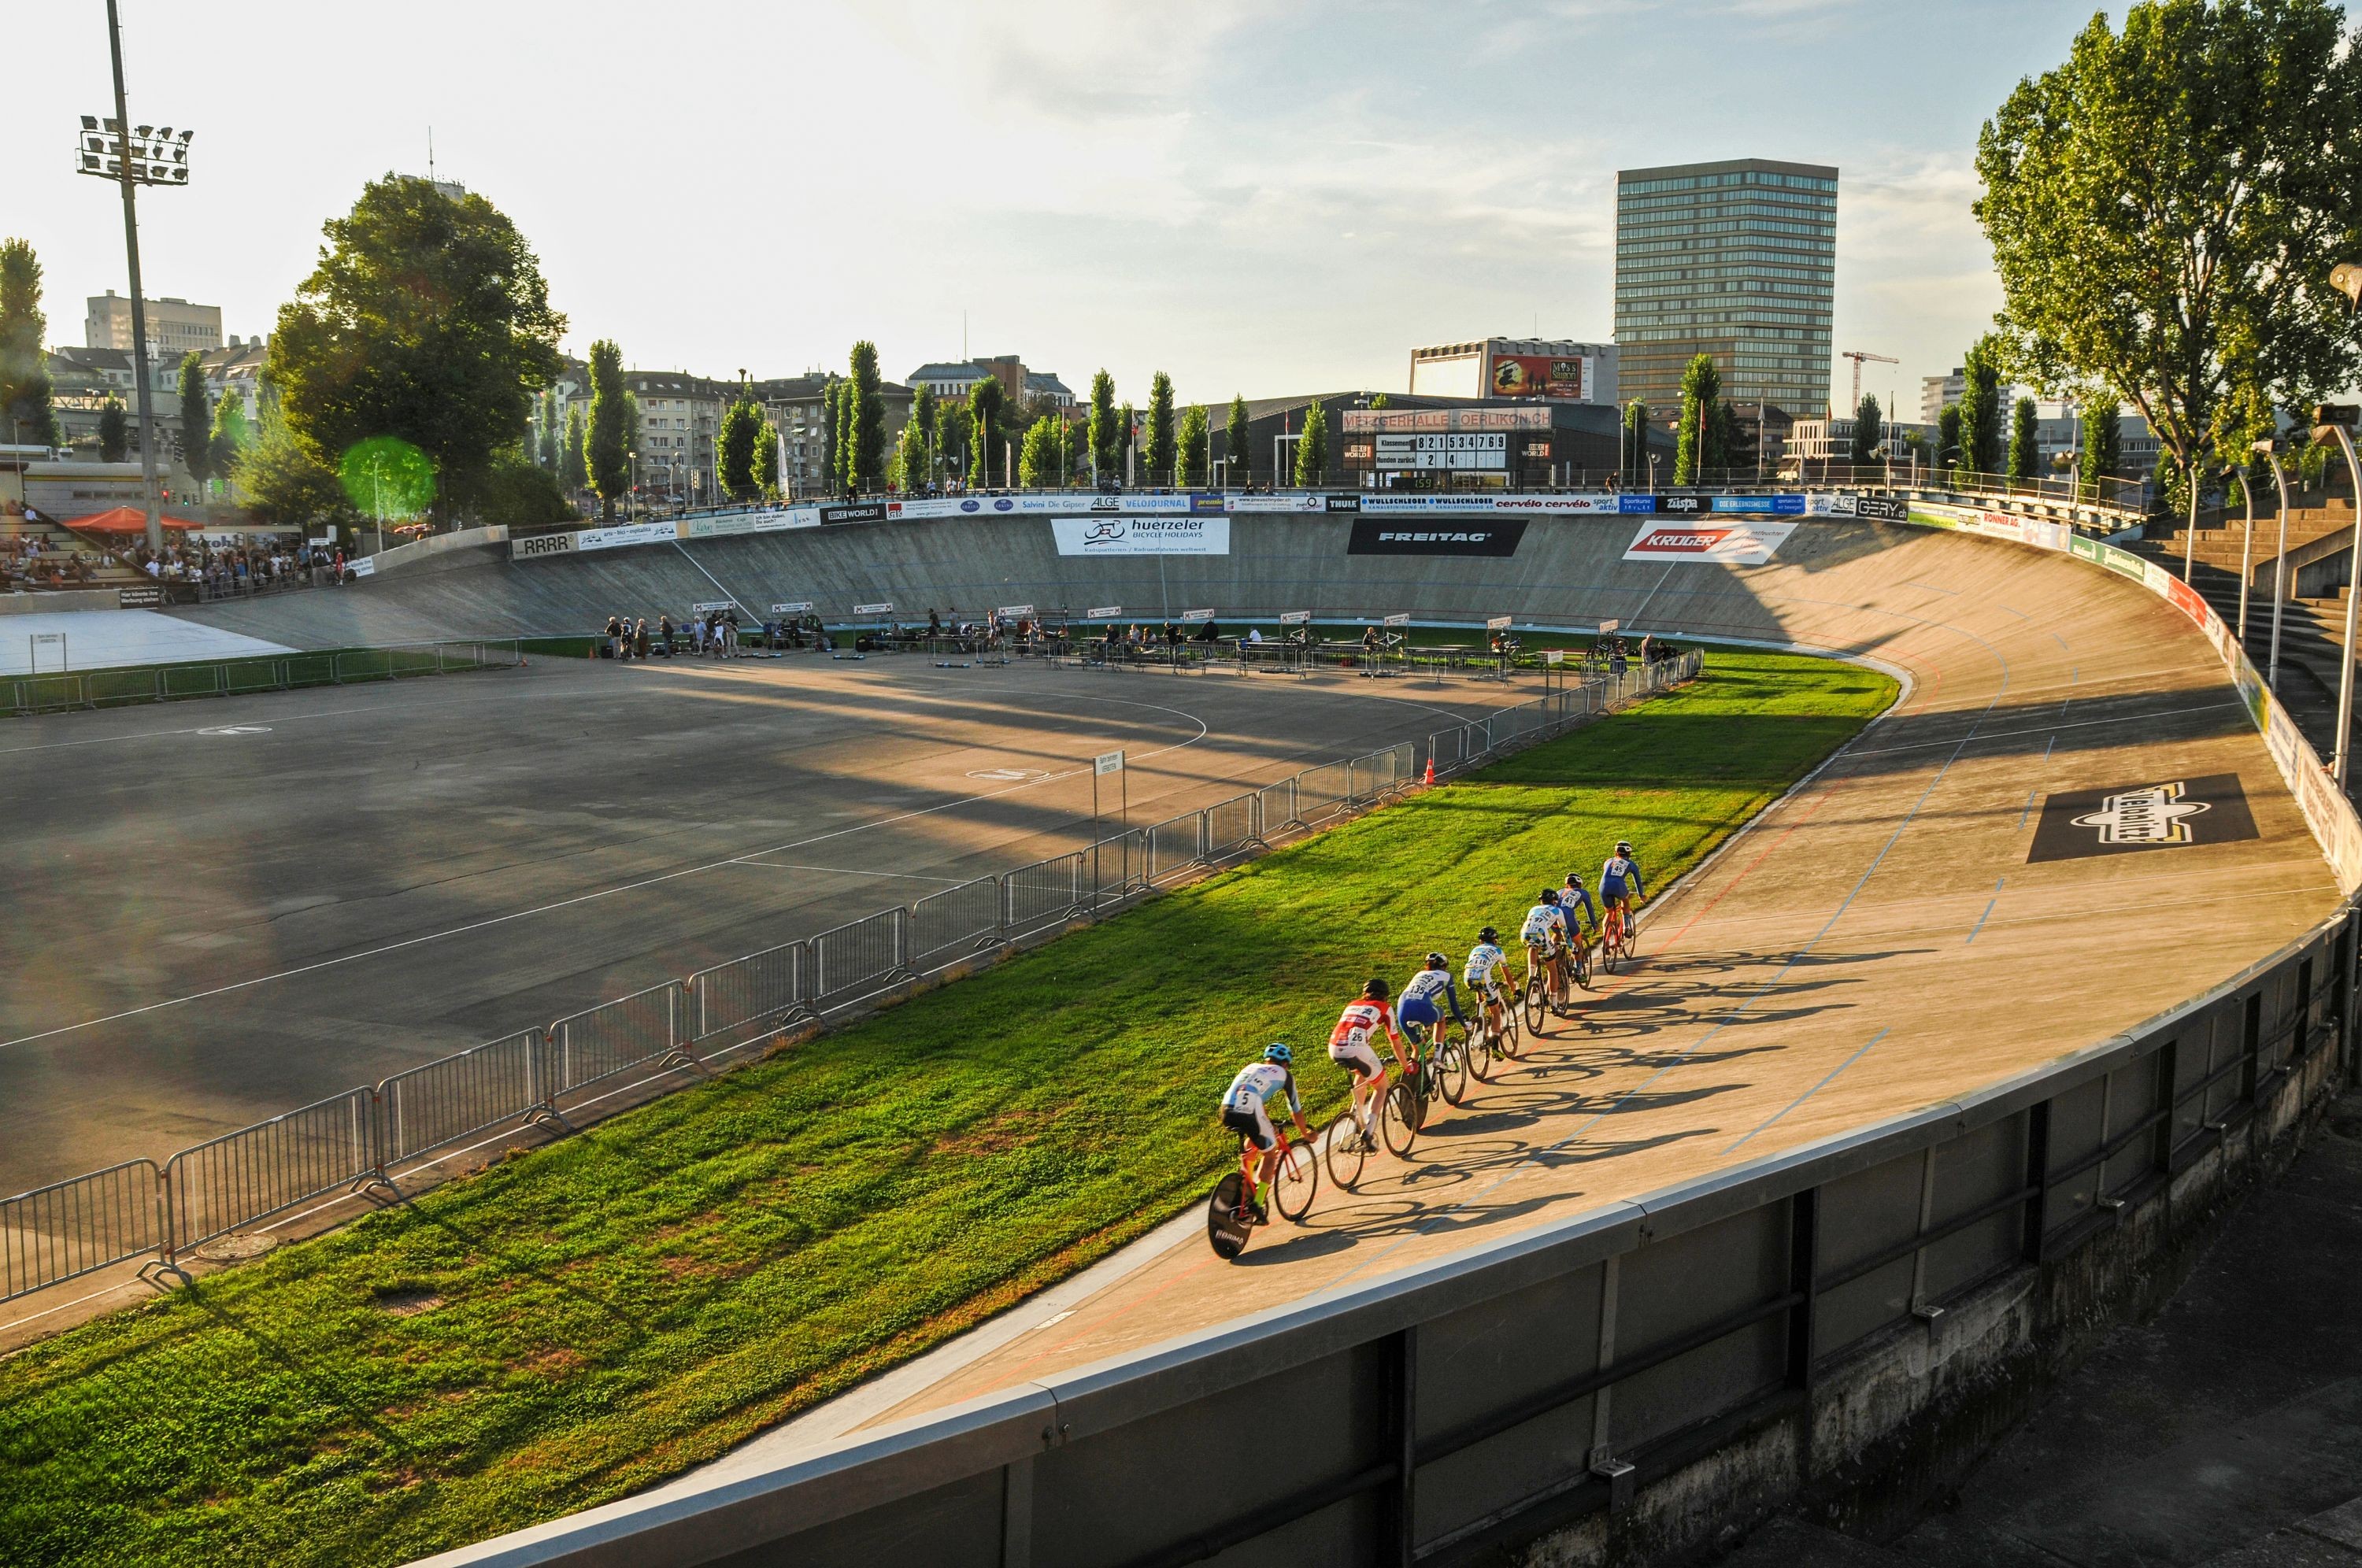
<point>1181,536</point>
<point>1408,536</point>
<point>2131,817</point>
<point>1720,541</point>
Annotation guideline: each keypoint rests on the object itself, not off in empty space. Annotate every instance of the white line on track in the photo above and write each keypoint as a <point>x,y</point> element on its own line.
<point>2047,729</point>
<point>609,892</point>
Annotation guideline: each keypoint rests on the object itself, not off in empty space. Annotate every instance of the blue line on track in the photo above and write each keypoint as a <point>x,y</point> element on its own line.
<point>2029,805</point>
<point>1987,914</point>
<point>2045,750</point>
<point>1818,1088</point>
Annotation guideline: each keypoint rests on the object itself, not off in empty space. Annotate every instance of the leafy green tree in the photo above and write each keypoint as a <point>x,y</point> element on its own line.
<point>1947,435</point>
<point>848,432</point>
<point>984,402</point>
<point>26,411</point>
<point>2104,442</point>
<point>514,491</point>
<point>1382,400</point>
<point>1195,428</point>
<point>1238,465</point>
<point>742,430</point>
<point>1726,437</point>
<point>426,319</point>
<point>1865,430</point>
<point>869,419</point>
<point>546,451</point>
<point>1980,439</point>
<point>226,443</point>
<point>829,409</point>
<point>607,447</point>
<point>952,435</point>
<point>1312,449</point>
<point>113,433</point>
<point>766,459</point>
<point>1701,391</point>
<point>2025,449</point>
<point>196,419</point>
<point>283,484</point>
<point>1106,441</point>
<point>574,468</point>
<point>1127,453</point>
<point>2165,207</point>
<point>1636,442</point>
<point>1037,462</point>
<point>922,419</point>
<point>909,469</point>
<point>1157,451</point>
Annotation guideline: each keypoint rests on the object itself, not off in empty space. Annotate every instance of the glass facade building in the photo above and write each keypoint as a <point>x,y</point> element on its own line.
<point>1737,259</point>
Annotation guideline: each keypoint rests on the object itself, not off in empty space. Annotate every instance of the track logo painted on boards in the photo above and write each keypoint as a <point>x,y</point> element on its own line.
<point>2131,817</point>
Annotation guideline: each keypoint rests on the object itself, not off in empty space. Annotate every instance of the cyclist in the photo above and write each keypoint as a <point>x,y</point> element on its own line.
<point>1348,1047</point>
<point>1572,898</point>
<point>1619,884</point>
<point>1545,937</point>
<point>1486,965</point>
<point>1417,1009</point>
<point>1245,1113</point>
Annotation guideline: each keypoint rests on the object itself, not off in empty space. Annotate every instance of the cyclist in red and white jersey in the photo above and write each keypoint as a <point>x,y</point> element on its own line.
<point>1349,1046</point>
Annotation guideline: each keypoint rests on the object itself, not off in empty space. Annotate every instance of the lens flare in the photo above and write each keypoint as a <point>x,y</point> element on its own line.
<point>387,478</point>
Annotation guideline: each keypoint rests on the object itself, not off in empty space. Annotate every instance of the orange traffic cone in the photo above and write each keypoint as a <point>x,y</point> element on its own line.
<point>1430,767</point>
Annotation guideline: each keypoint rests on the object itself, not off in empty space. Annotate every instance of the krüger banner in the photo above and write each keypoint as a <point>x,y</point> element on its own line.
<point>1725,542</point>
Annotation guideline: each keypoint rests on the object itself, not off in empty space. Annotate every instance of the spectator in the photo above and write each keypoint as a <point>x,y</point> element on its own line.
<point>664,635</point>
<point>640,637</point>
<point>614,635</point>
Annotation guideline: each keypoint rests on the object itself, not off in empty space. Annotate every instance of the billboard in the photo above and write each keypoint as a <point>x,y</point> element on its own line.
<point>1377,536</point>
<point>1443,449</point>
<point>1538,375</point>
<point>1182,535</point>
<point>1722,542</point>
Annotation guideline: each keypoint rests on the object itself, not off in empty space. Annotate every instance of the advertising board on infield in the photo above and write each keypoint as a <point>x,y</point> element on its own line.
<point>1721,541</point>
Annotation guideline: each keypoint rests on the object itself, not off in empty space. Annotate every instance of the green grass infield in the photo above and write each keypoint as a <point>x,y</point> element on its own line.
<point>594,1316</point>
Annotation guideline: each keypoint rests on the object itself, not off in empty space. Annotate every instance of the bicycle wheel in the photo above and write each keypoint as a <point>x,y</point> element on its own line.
<point>1579,953</point>
<point>1398,1120</point>
<point>1508,1038</point>
<point>1347,1146</point>
<point>1225,1232</point>
<point>1609,940</point>
<point>1533,1001</point>
<point>1295,1181</point>
<point>1481,1051</point>
<point>1451,1070</point>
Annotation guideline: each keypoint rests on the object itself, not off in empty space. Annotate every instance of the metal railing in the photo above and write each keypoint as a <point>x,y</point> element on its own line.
<point>61,693</point>
<point>321,1152</point>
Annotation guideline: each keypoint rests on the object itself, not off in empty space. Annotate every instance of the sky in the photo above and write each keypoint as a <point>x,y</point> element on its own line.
<point>1260,198</point>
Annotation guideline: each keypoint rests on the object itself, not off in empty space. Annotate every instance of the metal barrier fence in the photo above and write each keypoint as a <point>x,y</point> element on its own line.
<point>72,1227</point>
<point>1747,1336</point>
<point>27,694</point>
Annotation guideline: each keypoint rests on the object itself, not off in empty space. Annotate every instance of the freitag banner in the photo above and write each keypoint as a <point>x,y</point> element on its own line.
<point>1183,536</point>
<point>1722,541</point>
<point>1436,536</point>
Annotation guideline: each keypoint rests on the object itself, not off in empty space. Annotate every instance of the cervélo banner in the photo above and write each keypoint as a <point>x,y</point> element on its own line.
<point>1430,536</point>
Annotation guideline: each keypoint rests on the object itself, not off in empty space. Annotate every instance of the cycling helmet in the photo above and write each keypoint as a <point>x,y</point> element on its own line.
<point>1574,878</point>
<point>1489,935</point>
<point>1623,846</point>
<point>1376,990</point>
<point>1277,1051</point>
<point>1437,960</point>
<point>1550,895</point>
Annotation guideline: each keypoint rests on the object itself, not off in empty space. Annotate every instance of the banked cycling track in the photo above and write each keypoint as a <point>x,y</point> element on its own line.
<point>1923,917</point>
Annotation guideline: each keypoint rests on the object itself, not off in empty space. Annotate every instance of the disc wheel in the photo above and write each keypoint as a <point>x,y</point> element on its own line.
<point>1224,1230</point>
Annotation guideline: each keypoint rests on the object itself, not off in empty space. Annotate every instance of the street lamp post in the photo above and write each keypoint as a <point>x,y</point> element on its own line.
<point>2269,451</point>
<point>2247,552</point>
<point>132,157</point>
<point>2329,420</point>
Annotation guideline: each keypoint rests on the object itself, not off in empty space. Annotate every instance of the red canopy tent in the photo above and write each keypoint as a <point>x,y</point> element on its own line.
<point>125,520</point>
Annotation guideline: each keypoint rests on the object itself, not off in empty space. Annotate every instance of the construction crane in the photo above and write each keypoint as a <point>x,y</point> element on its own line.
<point>1857,356</point>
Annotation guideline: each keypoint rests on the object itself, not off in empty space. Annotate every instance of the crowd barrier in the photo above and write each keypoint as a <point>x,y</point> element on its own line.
<point>366,1134</point>
<point>23,694</point>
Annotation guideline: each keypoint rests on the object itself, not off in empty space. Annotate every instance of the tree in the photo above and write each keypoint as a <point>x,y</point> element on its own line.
<point>2104,442</point>
<point>952,435</point>
<point>113,433</point>
<point>426,319</point>
<point>514,491</point>
<point>909,469</point>
<point>742,430</point>
<point>829,409</point>
<point>869,420</point>
<point>1195,427</point>
<point>1724,437</point>
<point>196,419</point>
<point>1701,389</point>
<point>283,484</point>
<point>1636,442</point>
<point>2025,449</point>
<point>1127,456</point>
<point>226,443</point>
<point>1947,434</point>
<point>983,411</point>
<point>848,451</point>
<point>766,459</point>
<point>1981,447</point>
<point>574,467</point>
<point>1037,463</point>
<point>2165,207</point>
<point>27,413</point>
<point>1382,400</point>
<point>606,449</point>
<point>546,451</point>
<point>1157,451</point>
<point>922,419</point>
<point>1107,442</point>
<point>1238,468</point>
<point>1312,449</point>
<point>1865,430</point>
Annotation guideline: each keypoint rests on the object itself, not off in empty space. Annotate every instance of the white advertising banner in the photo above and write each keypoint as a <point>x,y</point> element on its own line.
<point>1501,504</point>
<point>1724,542</point>
<point>1275,503</point>
<point>627,534</point>
<point>1143,536</point>
<point>1426,501</point>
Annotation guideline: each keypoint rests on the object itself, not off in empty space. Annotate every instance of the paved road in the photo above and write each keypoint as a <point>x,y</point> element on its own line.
<point>1878,941</point>
<point>241,906</point>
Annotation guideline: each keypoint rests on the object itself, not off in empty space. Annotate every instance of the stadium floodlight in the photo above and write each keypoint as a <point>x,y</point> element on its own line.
<point>2269,449</point>
<point>132,156</point>
<point>2336,421</point>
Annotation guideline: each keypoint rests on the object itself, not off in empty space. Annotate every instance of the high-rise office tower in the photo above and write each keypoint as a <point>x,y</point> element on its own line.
<point>1736,260</point>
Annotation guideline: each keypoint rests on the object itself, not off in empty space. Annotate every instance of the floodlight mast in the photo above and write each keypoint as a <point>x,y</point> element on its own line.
<point>113,150</point>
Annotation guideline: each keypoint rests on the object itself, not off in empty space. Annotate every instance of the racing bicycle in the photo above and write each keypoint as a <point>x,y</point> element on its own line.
<point>1230,1218</point>
<point>1619,932</point>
